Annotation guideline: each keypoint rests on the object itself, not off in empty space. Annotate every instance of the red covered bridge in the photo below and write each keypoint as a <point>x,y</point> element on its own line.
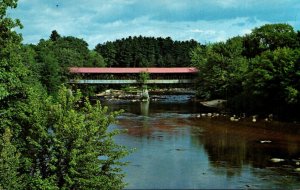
<point>170,75</point>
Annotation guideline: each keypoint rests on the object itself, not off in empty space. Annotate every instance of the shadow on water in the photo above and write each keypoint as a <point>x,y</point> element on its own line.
<point>175,149</point>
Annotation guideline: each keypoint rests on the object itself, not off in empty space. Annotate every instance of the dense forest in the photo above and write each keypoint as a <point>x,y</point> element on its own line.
<point>147,52</point>
<point>258,73</point>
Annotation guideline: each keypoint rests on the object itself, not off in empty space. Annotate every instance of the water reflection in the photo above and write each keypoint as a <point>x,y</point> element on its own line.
<point>238,145</point>
<point>145,108</point>
<point>177,150</point>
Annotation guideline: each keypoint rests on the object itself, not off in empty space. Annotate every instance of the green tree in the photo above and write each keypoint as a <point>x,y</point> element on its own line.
<point>143,77</point>
<point>221,68</point>
<point>54,36</point>
<point>55,56</point>
<point>108,51</point>
<point>66,144</point>
<point>274,79</point>
<point>269,37</point>
<point>12,71</point>
<point>84,155</point>
<point>33,138</point>
<point>146,52</point>
<point>50,143</point>
<point>29,56</point>
<point>51,73</point>
<point>10,178</point>
<point>95,60</point>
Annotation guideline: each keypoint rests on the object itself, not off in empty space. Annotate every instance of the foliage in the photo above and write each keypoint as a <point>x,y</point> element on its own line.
<point>51,142</point>
<point>11,69</point>
<point>9,163</point>
<point>269,37</point>
<point>143,77</point>
<point>146,52</point>
<point>257,73</point>
<point>50,72</point>
<point>95,60</point>
<point>56,55</point>
<point>54,35</point>
<point>221,68</point>
<point>273,78</point>
<point>83,154</point>
<point>65,144</point>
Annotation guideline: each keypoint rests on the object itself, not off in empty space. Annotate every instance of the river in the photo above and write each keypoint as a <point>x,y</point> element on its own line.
<point>174,149</point>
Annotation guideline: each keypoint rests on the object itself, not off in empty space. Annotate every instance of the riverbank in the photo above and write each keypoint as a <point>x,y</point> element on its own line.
<point>227,120</point>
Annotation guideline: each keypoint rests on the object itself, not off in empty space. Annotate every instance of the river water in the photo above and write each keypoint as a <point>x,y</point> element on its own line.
<point>174,149</point>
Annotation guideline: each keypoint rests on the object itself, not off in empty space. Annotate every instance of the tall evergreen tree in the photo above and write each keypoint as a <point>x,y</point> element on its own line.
<point>54,35</point>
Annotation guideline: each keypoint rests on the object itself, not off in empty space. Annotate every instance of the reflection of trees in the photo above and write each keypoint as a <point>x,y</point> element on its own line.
<point>145,108</point>
<point>224,150</point>
<point>230,147</point>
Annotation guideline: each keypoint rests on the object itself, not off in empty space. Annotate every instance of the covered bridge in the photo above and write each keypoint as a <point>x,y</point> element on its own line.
<point>104,75</point>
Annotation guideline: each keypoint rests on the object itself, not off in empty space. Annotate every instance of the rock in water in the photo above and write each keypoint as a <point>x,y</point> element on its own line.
<point>214,103</point>
<point>276,160</point>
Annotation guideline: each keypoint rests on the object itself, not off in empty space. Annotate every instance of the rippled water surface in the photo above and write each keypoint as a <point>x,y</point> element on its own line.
<point>176,149</point>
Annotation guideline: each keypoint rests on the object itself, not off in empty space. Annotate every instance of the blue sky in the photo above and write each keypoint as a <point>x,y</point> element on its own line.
<point>98,21</point>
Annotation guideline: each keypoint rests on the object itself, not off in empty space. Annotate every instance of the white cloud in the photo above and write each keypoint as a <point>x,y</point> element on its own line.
<point>203,31</point>
<point>98,21</point>
<point>228,3</point>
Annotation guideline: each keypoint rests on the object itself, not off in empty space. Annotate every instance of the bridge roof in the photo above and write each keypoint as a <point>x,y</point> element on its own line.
<point>114,70</point>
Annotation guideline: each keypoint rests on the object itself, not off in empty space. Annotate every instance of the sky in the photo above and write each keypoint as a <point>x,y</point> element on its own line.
<point>99,21</point>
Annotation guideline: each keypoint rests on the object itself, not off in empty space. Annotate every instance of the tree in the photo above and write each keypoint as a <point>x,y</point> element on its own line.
<point>71,51</point>
<point>108,51</point>
<point>54,36</point>
<point>46,142</point>
<point>9,163</point>
<point>84,155</point>
<point>95,60</point>
<point>274,79</point>
<point>146,52</point>
<point>12,69</point>
<point>269,37</point>
<point>65,144</point>
<point>144,77</point>
<point>50,73</point>
<point>14,80</point>
<point>29,55</point>
<point>56,56</point>
<point>222,68</point>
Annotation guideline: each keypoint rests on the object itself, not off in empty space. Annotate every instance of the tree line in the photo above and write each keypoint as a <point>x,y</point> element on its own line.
<point>258,73</point>
<point>146,52</point>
